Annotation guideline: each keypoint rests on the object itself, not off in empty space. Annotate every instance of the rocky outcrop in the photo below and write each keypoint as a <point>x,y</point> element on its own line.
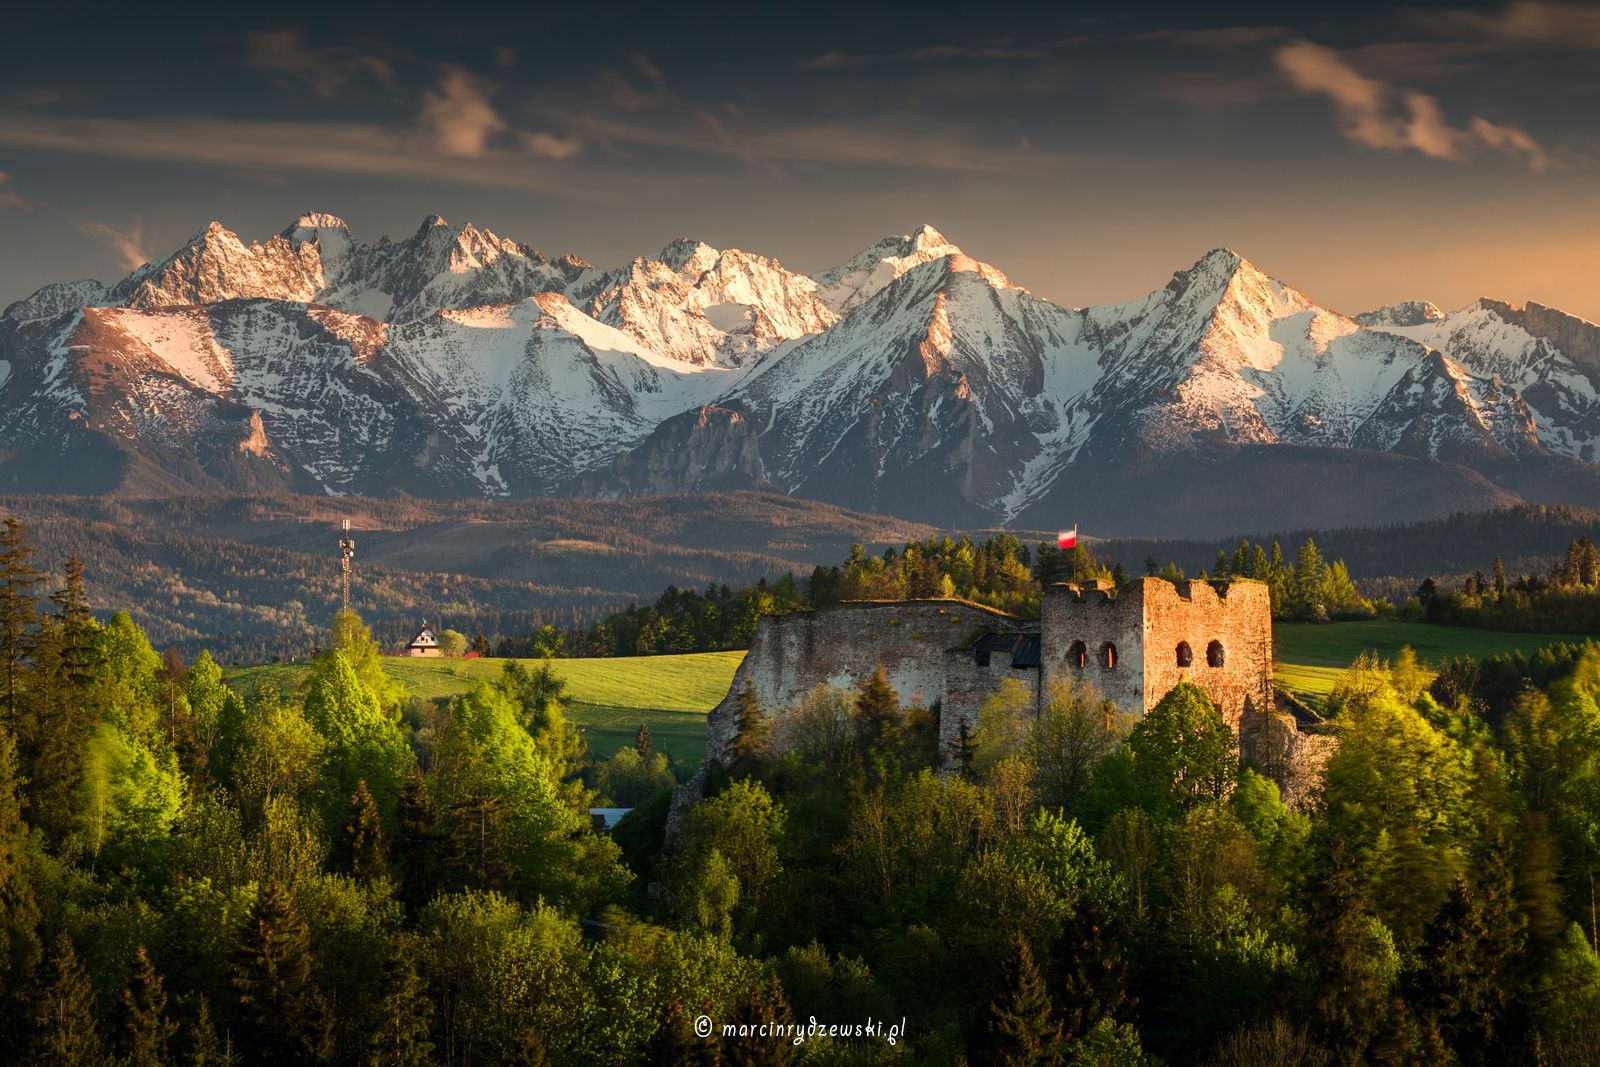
<point>709,449</point>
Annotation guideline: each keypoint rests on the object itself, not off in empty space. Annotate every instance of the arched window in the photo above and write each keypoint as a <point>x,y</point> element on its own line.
<point>1108,656</point>
<point>1185,654</point>
<point>1078,655</point>
<point>1214,654</point>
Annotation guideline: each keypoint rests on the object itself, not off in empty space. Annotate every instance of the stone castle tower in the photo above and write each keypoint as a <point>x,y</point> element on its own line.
<point>1131,644</point>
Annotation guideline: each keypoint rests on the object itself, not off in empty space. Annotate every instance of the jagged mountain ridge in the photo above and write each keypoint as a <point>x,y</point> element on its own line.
<point>912,379</point>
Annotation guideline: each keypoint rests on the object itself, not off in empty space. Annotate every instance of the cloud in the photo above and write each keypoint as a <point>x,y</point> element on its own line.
<point>1569,25</point>
<point>9,197</point>
<point>458,116</point>
<point>128,244</point>
<point>1376,114</point>
<point>550,146</point>
<point>325,69</point>
<point>329,147</point>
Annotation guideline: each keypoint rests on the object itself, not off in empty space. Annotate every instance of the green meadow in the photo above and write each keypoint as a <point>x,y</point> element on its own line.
<point>610,698</point>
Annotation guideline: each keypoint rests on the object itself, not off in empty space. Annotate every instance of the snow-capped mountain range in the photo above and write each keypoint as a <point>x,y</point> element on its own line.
<point>912,379</point>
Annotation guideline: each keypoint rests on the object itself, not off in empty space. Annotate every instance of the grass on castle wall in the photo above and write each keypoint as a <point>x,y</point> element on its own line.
<point>609,698</point>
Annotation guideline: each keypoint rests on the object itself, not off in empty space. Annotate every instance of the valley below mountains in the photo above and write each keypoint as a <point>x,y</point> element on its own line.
<point>911,380</point>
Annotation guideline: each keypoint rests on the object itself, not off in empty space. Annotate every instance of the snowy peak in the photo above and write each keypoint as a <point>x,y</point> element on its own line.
<point>1406,313</point>
<point>872,269</point>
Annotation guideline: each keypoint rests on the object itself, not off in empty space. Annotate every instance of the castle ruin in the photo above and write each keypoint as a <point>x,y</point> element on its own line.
<point>1130,644</point>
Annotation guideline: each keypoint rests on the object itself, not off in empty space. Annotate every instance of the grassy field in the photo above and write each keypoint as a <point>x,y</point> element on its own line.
<point>609,698</point>
<point>1311,656</point>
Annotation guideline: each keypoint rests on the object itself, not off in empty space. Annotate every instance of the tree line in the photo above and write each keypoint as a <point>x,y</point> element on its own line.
<point>1000,572</point>
<point>345,874</point>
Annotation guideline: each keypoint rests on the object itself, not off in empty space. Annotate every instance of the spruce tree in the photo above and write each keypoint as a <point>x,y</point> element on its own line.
<point>207,1048</point>
<point>1347,959</point>
<point>146,1032</point>
<point>416,844</point>
<point>19,911</point>
<point>279,1010</point>
<point>18,608</point>
<point>362,841</point>
<point>642,743</point>
<point>762,1003</point>
<point>877,722</point>
<point>1022,1021</point>
<point>398,1030</point>
<point>61,1011</point>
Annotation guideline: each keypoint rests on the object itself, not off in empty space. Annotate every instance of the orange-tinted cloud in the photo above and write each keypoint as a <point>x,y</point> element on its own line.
<point>128,244</point>
<point>1379,115</point>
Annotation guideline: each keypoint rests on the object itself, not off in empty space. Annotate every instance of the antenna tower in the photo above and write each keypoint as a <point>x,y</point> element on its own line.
<point>347,551</point>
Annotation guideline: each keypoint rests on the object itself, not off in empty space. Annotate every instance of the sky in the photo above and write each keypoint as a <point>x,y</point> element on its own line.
<point>1365,154</point>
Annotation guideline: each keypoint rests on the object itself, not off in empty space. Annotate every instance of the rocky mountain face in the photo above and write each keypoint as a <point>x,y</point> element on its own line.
<point>912,380</point>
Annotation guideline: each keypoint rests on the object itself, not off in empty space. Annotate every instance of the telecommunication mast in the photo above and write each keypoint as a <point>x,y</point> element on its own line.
<point>347,551</point>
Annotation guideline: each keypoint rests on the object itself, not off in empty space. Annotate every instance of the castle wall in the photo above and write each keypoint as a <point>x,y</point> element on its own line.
<point>1095,614</point>
<point>967,684</point>
<point>842,646</point>
<point>1239,620</point>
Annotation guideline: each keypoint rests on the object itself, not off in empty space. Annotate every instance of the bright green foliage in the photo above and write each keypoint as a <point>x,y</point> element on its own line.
<point>729,854</point>
<point>629,779</point>
<point>1076,730</point>
<point>533,690</point>
<point>1005,720</point>
<point>208,699</point>
<point>1022,1020</point>
<point>281,1015</point>
<point>352,639</point>
<point>1353,960</point>
<point>128,800</point>
<point>452,643</point>
<point>60,1011</point>
<point>146,1032</point>
<point>1567,1001</point>
<point>495,969</point>
<point>126,682</point>
<point>1398,793</point>
<point>1180,754</point>
<point>364,742</point>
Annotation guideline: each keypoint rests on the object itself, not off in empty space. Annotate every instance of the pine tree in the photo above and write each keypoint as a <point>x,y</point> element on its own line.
<point>76,624</point>
<point>18,608</point>
<point>642,743</point>
<point>61,1010</point>
<point>751,744</point>
<point>1151,566</point>
<point>1091,975</point>
<point>1467,950</point>
<point>480,643</point>
<point>399,1027</point>
<point>479,855</point>
<point>1348,958</point>
<point>146,1031</point>
<point>19,911</point>
<point>280,1012</point>
<point>878,723</point>
<point>207,1048</point>
<point>1022,1019</point>
<point>764,1003</point>
<point>362,842</point>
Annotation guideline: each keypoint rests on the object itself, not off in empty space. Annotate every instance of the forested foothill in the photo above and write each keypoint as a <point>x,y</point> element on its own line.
<point>342,874</point>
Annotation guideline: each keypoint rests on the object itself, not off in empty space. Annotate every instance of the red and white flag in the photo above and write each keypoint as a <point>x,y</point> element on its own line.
<point>1067,538</point>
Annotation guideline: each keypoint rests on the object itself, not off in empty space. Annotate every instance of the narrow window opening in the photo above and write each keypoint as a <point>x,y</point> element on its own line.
<point>1078,655</point>
<point>1185,654</point>
<point>1108,656</point>
<point>1214,657</point>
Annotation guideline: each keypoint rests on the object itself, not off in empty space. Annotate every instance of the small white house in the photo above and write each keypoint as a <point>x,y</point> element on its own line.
<point>426,643</point>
